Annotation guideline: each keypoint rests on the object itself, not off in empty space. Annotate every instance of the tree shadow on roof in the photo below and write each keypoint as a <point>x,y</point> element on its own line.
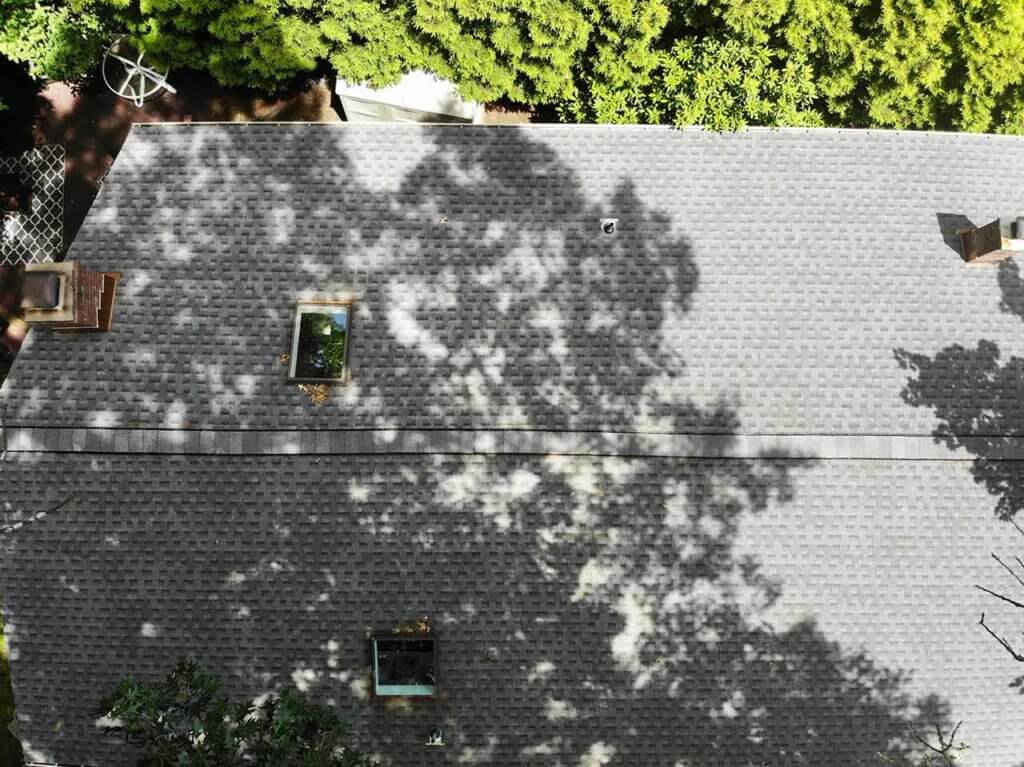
<point>626,627</point>
<point>585,607</point>
<point>978,400</point>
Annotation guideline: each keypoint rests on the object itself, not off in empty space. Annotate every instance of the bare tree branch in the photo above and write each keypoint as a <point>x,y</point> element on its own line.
<point>1013,602</point>
<point>10,528</point>
<point>1006,645</point>
<point>952,735</point>
<point>1009,569</point>
<point>944,746</point>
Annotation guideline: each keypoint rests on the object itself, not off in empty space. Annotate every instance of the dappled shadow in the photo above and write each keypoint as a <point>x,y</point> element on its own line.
<point>591,609</point>
<point>978,399</point>
<point>92,123</point>
<point>584,606</point>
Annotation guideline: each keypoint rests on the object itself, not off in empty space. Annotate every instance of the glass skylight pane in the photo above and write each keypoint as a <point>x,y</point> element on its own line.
<point>404,666</point>
<point>320,346</point>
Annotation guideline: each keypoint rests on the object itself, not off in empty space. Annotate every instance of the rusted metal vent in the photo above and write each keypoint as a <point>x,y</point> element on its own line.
<point>67,296</point>
<point>989,244</point>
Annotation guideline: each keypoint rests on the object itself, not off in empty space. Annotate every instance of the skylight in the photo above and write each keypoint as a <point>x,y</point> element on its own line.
<point>404,664</point>
<point>320,342</point>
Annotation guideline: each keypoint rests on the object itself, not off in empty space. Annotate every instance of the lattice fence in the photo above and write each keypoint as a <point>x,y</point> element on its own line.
<point>38,235</point>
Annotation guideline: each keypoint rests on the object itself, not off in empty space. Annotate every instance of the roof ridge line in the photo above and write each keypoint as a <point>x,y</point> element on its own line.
<point>228,442</point>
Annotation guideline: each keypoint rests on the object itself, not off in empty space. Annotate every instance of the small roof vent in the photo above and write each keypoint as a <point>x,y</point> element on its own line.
<point>609,225</point>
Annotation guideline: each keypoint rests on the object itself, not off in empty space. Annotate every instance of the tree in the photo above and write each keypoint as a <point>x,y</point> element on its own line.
<point>521,49</point>
<point>724,86</point>
<point>942,753</point>
<point>619,63</point>
<point>500,48</point>
<point>373,41</point>
<point>262,43</point>
<point>722,64</point>
<point>1016,575</point>
<point>953,64</point>
<point>931,64</point>
<point>59,40</point>
<point>185,720</point>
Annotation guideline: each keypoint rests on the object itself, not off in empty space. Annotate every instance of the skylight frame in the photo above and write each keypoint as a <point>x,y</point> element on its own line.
<point>319,307</point>
<point>385,690</point>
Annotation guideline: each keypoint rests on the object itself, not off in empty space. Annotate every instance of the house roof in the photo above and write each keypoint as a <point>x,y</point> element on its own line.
<point>773,270</point>
<point>649,469</point>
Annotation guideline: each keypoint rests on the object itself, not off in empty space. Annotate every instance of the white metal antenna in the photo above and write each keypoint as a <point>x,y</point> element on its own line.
<point>129,78</point>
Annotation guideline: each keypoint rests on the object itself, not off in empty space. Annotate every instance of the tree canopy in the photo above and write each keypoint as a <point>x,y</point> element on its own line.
<point>184,719</point>
<point>940,64</point>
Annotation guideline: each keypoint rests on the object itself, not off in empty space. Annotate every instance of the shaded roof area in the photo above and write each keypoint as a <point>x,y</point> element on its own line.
<point>757,553</point>
<point>771,271</point>
<point>586,608</point>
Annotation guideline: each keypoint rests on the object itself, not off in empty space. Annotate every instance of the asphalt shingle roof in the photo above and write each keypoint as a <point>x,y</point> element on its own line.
<point>778,270</point>
<point>622,620</point>
<point>664,494</point>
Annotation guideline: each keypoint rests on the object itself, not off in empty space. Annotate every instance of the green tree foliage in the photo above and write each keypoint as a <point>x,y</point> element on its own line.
<point>240,42</point>
<point>372,41</point>
<point>61,39</point>
<point>619,62</point>
<point>948,63</point>
<point>10,748</point>
<point>185,720</point>
<point>718,63</point>
<point>522,49</point>
<point>945,64</point>
<point>721,86</point>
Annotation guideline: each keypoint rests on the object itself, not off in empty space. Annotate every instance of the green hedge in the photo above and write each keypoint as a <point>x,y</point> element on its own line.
<point>938,64</point>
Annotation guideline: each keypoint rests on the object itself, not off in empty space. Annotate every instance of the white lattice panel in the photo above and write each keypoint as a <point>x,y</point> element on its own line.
<point>35,236</point>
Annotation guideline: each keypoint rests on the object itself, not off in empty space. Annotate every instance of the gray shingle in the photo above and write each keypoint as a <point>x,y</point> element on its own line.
<point>777,269</point>
<point>758,286</point>
<point>603,586</point>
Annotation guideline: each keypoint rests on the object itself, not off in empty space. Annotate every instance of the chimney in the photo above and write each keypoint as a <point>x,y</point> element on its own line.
<point>67,296</point>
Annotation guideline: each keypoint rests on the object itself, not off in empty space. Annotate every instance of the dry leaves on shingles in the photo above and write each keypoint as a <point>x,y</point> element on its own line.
<point>420,626</point>
<point>317,393</point>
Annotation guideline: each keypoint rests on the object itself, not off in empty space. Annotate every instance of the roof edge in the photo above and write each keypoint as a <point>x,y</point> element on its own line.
<point>617,128</point>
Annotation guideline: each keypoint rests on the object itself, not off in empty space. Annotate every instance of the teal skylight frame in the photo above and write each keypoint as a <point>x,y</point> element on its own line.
<point>404,665</point>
